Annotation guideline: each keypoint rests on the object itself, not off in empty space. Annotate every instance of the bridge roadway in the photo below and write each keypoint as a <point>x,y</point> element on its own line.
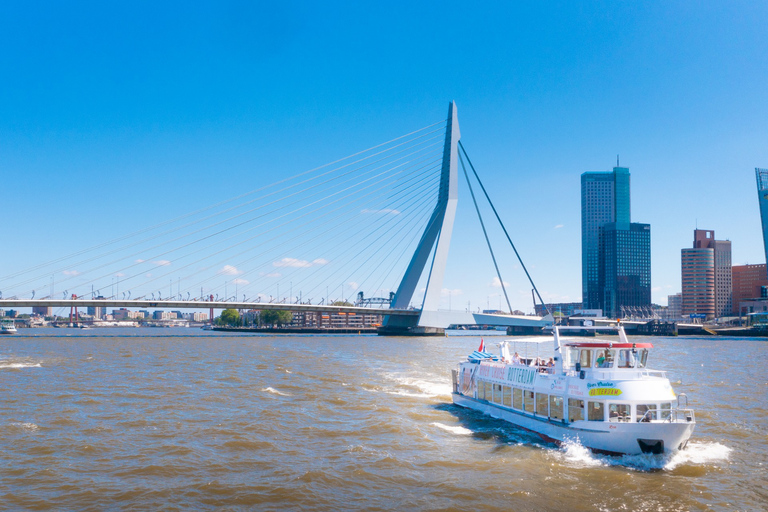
<point>198,304</point>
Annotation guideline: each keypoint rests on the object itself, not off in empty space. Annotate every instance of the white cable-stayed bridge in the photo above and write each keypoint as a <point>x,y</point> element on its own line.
<point>378,220</point>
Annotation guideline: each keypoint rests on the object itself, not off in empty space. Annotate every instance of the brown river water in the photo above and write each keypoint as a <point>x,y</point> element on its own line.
<point>181,419</point>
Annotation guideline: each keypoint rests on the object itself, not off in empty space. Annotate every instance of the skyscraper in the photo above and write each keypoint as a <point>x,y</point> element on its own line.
<point>601,192</point>
<point>615,254</point>
<point>706,276</point>
<point>762,195</point>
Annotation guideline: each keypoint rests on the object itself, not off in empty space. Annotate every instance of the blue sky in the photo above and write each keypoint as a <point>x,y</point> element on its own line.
<point>119,115</point>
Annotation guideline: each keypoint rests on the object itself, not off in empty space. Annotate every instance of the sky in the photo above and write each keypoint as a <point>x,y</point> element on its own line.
<point>120,115</point>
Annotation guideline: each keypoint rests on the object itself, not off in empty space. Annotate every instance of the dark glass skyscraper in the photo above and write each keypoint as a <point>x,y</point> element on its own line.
<point>615,254</point>
<point>762,195</point>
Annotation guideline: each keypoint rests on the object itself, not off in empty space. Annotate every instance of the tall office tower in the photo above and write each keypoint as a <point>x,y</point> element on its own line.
<point>748,281</point>
<point>624,274</point>
<point>605,212</point>
<point>762,195</point>
<point>707,276</point>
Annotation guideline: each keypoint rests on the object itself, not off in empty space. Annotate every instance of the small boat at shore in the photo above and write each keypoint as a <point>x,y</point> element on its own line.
<point>598,392</point>
<point>8,327</point>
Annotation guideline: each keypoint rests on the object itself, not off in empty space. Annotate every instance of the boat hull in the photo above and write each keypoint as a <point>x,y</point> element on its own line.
<point>612,438</point>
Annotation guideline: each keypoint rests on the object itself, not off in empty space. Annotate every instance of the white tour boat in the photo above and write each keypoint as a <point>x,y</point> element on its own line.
<point>7,327</point>
<point>597,392</point>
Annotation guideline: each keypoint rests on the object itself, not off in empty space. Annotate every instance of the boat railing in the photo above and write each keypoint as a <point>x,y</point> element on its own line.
<point>653,373</point>
<point>679,416</point>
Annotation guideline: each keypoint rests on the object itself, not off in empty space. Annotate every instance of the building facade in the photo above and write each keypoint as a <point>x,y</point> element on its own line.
<point>624,274</point>
<point>604,199</point>
<point>707,276</point>
<point>615,253</point>
<point>674,306</point>
<point>762,196</point>
<point>748,281</point>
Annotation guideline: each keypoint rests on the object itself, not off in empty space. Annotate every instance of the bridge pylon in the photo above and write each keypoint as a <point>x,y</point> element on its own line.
<point>438,232</point>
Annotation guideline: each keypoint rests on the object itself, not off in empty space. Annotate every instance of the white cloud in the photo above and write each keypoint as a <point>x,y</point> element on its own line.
<point>496,283</point>
<point>292,262</point>
<point>353,285</point>
<point>71,273</point>
<point>383,211</point>
<point>271,274</point>
<point>448,291</point>
<point>240,281</point>
<point>656,289</point>
<point>148,274</point>
<point>140,261</point>
<point>558,226</point>
<point>162,263</point>
<point>119,274</point>
<point>229,270</point>
<point>297,263</point>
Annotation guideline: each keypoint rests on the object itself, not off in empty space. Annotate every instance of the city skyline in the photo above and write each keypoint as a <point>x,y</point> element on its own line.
<point>116,119</point>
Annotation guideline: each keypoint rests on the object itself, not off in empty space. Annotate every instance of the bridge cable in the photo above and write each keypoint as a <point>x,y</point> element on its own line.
<point>530,279</point>
<point>485,233</point>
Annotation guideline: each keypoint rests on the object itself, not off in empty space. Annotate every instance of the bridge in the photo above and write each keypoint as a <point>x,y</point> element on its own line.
<point>388,200</point>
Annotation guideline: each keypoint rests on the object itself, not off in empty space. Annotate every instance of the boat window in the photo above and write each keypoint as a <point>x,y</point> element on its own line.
<point>666,410</point>
<point>555,407</point>
<point>507,393</point>
<point>517,398</point>
<point>626,358</point>
<point>528,400</point>
<point>480,390</point>
<point>646,412</point>
<point>604,358</point>
<point>575,409</point>
<point>595,411</point>
<point>542,404</point>
<point>642,358</point>
<point>618,412</point>
<point>488,391</point>
<point>571,357</point>
<point>497,393</point>
<point>585,358</point>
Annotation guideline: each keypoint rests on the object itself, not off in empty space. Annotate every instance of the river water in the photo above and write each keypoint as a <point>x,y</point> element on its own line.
<point>179,419</point>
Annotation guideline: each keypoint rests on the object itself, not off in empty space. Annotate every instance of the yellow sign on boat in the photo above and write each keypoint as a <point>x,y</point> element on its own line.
<point>604,392</point>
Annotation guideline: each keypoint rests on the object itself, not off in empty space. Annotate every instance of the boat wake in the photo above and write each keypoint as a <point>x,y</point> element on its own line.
<point>418,387</point>
<point>454,429</point>
<point>695,454</point>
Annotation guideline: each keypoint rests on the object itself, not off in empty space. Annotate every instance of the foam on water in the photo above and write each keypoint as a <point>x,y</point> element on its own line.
<point>30,427</point>
<point>695,454</point>
<point>454,429</point>
<point>419,387</point>
<point>7,364</point>
<point>274,391</point>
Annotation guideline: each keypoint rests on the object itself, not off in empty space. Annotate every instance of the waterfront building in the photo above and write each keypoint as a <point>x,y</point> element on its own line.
<point>42,311</point>
<point>624,274</point>
<point>564,308</point>
<point>674,306</point>
<point>748,281</point>
<point>762,196</point>
<point>98,312</point>
<point>615,253</point>
<point>707,276</point>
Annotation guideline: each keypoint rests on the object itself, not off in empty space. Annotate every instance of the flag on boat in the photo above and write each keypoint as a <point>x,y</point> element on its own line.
<point>482,346</point>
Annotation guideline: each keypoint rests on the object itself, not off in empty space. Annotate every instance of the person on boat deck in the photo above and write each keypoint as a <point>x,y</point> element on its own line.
<point>600,361</point>
<point>551,363</point>
<point>516,358</point>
